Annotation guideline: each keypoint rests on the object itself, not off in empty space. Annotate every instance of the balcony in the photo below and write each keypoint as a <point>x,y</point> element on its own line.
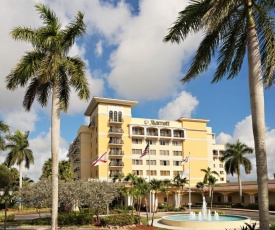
<point>116,142</point>
<point>116,153</point>
<point>112,174</point>
<point>178,135</point>
<point>116,131</point>
<point>115,121</point>
<point>116,164</point>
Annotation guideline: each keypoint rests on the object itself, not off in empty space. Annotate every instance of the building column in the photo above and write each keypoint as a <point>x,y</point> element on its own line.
<point>128,200</point>
<point>225,198</point>
<point>177,198</point>
<point>252,198</point>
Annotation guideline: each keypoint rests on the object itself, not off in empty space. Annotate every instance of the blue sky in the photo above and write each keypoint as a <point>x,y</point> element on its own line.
<point>126,59</point>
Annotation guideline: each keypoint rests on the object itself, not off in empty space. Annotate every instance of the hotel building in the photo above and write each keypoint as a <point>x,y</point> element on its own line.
<point>112,129</point>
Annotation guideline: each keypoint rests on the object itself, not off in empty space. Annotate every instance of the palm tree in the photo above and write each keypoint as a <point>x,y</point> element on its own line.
<point>166,184</point>
<point>234,158</point>
<point>118,177</point>
<point>46,169</point>
<point>132,179</point>
<point>207,174</point>
<point>180,182</point>
<point>212,184</point>
<point>65,171</point>
<point>26,181</point>
<point>19,152</point>
<point>156,186</point>
<point>3,129</point>
<point>231,29</point>
<point>200,185</point>
<point>48,70</point>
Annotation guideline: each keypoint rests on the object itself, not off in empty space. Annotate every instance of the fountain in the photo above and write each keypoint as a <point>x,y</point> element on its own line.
<point>205,220</point>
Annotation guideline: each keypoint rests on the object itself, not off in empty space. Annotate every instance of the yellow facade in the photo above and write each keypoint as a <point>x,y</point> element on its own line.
<point>112,129</point>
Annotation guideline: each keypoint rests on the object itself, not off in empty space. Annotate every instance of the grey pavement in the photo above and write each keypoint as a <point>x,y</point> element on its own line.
<point>253,214</point>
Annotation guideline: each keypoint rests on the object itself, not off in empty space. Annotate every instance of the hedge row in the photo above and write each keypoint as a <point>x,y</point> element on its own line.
<point>119,220</point>
<point>71,218</point>
<point>10,217</point>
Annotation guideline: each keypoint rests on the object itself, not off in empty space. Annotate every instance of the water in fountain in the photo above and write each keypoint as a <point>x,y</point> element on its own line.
<point>216,216</point>
<point>199,216</point>
<point>204,214</point>
<point>209,217</point>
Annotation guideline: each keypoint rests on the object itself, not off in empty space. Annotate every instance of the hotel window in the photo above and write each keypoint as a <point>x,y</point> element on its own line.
<point>256,199</point>
<point>162,142</point>
<point>221,172</point>
<point>222,179</point>
<point>136,141</point>
<point>164,152</point>
<point>177,163</point>
<point>120,116</point>
<point>138,131</point>
<point>221,165</point>
<point>151,173</point>
<point>165,163</point>
<point>165,173</point>
<point>151,142</point>
<point>152,162</point>
<point>175,173</point>
<point>111,115</point>
<point>177,153</point>
<point>230,199</point>
<point>136,151</point>
<point>214,166</point>
<point>176,143</point>
<point>137,172</point>
<point>115,116</point>
<point>153,152</point>
<point>136,162</point>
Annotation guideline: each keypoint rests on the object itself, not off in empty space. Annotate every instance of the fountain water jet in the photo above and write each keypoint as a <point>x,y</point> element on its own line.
<point>204,220</point>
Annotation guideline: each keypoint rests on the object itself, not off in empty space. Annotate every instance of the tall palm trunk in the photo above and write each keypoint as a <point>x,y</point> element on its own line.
<point>258,121</point>
<point>20,183</point>
<point>55,132</point>
<point>240,187</point>
<point>154,209</point>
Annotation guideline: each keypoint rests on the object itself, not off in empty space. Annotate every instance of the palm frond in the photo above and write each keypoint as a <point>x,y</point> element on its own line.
<point>48,16</point>
<point>72,31</point>
<point>24,70</point>
<point>189,20</point>
<point>76,69</point>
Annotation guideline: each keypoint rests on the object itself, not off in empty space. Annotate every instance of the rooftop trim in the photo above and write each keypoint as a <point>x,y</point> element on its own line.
<point>110,101</point>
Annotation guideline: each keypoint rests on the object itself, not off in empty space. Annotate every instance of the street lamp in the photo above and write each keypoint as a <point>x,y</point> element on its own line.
<point>5,195</point>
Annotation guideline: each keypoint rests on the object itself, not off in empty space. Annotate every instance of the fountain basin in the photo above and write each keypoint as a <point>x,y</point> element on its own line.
<point>224,221</point>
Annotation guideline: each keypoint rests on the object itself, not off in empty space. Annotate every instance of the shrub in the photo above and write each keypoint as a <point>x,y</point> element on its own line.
<point>75,218</point>
<point>253,206</point>
<point>41,221</point>
<point>119,220</point>
<point>10,218</point>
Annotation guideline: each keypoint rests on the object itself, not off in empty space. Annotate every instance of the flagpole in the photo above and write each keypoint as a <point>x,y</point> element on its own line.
<point>150,178</point>
<point>189,184</point>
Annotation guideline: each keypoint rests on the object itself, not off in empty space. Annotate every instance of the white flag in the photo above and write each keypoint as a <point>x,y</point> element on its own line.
<point>184,174</point>
<point>184,161</point>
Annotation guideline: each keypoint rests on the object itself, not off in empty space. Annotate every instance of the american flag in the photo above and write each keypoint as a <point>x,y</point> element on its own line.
<point>146,150</point>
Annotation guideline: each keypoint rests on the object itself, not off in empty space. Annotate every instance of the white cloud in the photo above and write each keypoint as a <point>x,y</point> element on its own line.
<point>41,147</point>
<point>99,49</point>
<point>143,67</point>
<point>183,105</point>
<point>243,132</point>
